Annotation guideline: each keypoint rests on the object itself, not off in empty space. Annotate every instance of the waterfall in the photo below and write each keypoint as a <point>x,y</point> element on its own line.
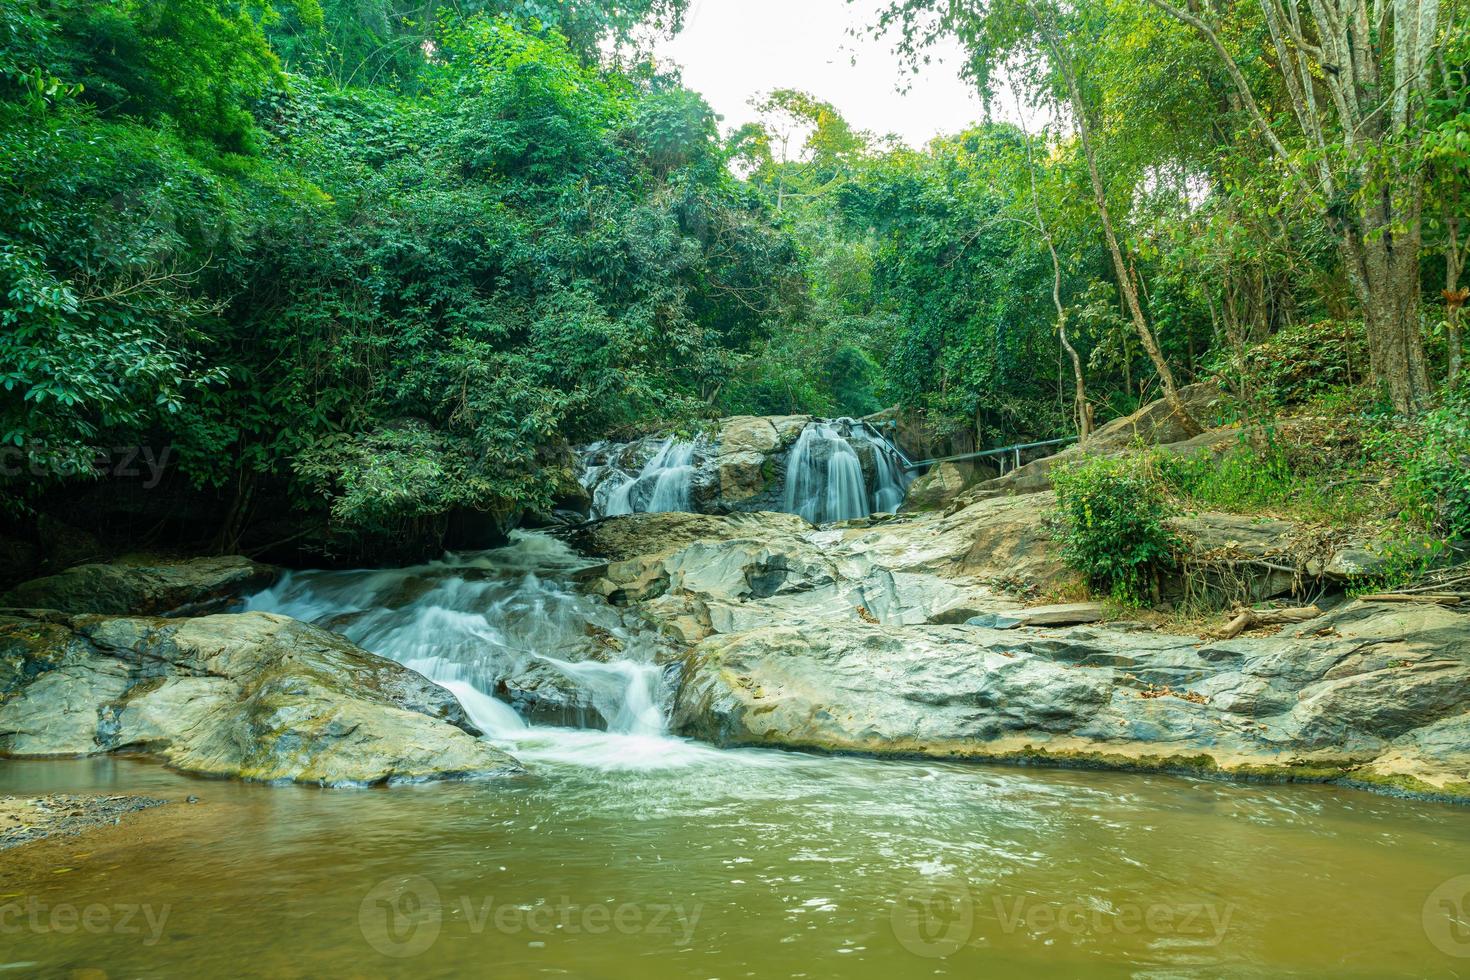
<point>824,477</point>
<point>837,470</point>
<point>480,625</point>
<point>666,483</point>
<point>891,482</point>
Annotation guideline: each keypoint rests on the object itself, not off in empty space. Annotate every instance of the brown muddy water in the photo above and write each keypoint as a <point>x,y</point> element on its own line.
<point>739,864</point>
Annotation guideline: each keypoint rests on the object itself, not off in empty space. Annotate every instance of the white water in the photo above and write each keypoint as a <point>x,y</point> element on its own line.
<point>824,477</point>
<point>892,482</point>
<point>671,473</point>
<point>506,620</point>
<point>824,474</point>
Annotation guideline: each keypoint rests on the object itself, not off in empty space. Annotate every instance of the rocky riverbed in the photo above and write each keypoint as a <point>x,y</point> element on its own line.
<point>913,634</point>
<point>875,638</point>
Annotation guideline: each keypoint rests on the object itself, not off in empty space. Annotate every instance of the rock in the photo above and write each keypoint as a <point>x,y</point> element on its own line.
<point>635,535</point>
<point>252,696</point>
<point>757,434</point>
<point>935,489</point>
<point>742,477</point>
<point>1069,614</point>
<point>155,587</point>
<point>755,570</point>
<point>1368,694</point>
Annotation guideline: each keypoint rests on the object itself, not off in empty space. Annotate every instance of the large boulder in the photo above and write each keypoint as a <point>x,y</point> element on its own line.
<point>147,587</point>
<point>746,470</point>
<point>935,489</point>
<point>252,696</point>
<point>703,575</point>
<point>1371,694</point>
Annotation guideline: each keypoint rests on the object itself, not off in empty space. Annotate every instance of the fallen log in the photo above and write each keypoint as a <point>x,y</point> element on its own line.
<point>1249,619</point>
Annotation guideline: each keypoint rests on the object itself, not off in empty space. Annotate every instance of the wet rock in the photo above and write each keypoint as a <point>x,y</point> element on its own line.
<point>639,535</point>
<point>1369,694</point>
<point>151,588</point>
<point>252,696</point>
<point>935,489</point>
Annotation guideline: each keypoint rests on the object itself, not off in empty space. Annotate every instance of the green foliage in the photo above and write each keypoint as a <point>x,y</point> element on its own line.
<point>1262,474</point>
<point>1437,475</point>
<point>1113,513</point>
<point>394,306</point>
<point>1301,363</point>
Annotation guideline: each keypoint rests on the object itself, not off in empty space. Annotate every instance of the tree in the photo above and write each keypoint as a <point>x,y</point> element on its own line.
<point>1355,79</point>
<point>1033,29</point>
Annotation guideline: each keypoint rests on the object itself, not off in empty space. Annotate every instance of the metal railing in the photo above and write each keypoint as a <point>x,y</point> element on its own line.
<point>1004,451</point>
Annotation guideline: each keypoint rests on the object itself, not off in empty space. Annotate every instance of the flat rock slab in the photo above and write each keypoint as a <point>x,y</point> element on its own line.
<point>1068,614</point>
<point>1372,695</point>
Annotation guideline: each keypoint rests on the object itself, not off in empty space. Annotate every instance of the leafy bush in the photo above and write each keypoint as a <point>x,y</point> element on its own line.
<point>1303,362</point>
<point>1112,514</point>
<point>1437,475</point>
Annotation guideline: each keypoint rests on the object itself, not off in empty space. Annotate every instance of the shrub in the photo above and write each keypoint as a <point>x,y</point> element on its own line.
<point>1437,474</point>
<point>1112,516</point>
<point>1303,362</point>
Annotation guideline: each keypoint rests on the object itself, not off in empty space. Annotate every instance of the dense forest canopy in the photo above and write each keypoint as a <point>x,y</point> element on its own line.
<point>382,261</point>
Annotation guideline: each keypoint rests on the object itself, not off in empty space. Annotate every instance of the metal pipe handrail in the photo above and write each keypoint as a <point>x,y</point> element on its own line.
<point>992,452</point>
<point>1017,449</point>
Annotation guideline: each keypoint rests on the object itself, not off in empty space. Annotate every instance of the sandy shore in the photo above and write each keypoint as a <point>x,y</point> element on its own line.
<point>27,819</point>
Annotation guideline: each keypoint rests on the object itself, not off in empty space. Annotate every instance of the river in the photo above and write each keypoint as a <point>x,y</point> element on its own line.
<point>627,852</point>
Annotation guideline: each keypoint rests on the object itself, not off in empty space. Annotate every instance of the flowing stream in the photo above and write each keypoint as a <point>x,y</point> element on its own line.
<point>629,853</point>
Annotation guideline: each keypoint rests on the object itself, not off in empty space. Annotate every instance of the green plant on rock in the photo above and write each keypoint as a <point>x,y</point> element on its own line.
<point>1113,513</point>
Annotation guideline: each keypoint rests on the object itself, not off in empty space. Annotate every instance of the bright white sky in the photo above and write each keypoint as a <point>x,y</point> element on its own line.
<point>733,50</point>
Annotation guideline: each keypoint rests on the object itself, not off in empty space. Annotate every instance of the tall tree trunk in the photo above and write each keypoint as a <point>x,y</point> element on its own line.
<point>1126,282</point>
<point>1454,296</point>
<point>1081,407</point>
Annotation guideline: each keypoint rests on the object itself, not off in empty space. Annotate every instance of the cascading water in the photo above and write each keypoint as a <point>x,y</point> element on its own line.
<point>506,624</point>
<point>824,474</point>
<point>666,483</point>
<point>891,481</point>
<point>836,470</point>
<point>824,477</point>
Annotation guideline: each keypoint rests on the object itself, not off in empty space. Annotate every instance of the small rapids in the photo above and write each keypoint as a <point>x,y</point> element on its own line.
<point>506,629</point>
